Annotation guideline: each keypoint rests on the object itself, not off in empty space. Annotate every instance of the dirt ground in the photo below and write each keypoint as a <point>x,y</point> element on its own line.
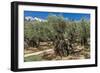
<point>45,52</point>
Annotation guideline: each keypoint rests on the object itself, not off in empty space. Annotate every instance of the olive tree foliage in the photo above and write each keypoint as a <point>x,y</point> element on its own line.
<point>59,26</point>
<point>28,29</point>
<point>37,31</point>
<point>72,32</point>
<point>58,30</point>
<point>84,31</point>
<point>57,22</point>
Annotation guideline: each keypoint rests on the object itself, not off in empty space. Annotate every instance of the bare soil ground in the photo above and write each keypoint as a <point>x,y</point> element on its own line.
<point>46,52</point>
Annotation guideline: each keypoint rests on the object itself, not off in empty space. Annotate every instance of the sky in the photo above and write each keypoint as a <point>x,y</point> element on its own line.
<point>44,15</point>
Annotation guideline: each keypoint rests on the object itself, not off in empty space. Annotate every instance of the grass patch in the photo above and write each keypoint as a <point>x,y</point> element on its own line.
<point>33,58</point>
